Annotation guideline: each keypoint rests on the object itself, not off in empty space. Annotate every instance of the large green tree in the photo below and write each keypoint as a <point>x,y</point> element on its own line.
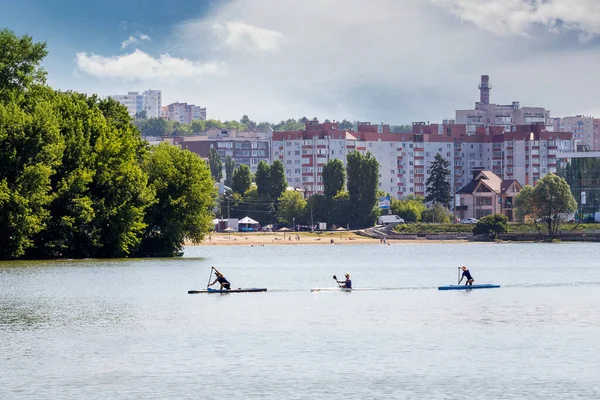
<point>215,163</point>
<point>334,177</point>
<point>552,202</point>
<point>410,209</point>
<point>229,168</point>
<point>20,61</point>
<point>363,179</point>
<point>184,197</point>
<point>292,207</point>
<point>438,182</point>
<point>263,178</point>
<point>277,181</point>
<point>241,179</point>
<point>524,204</point>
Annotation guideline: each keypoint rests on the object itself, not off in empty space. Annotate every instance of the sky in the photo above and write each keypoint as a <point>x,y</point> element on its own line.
<point>390,61</point>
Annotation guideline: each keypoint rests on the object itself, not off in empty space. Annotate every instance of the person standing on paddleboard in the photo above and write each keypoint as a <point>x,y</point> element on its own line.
<point>347,284</point>
<point>466,274</point>
<point>221,279</point>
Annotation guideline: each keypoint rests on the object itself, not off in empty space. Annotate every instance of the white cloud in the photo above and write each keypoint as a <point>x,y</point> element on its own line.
<point>238,35</point>
<point>140,65</point>
<point>506,17</point>
<point>134,40</point>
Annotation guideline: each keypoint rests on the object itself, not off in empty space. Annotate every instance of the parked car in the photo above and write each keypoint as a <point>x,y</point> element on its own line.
<point>468,221</point>
<point>389,220</point>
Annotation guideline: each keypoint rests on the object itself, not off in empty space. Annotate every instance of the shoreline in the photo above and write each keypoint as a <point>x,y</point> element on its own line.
<point>304,238</point>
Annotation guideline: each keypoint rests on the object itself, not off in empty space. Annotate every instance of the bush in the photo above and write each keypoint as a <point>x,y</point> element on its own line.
<point>492,225</point>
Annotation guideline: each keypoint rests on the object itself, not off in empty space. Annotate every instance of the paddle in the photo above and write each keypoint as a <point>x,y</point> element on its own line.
<point>336,281</point>
<point>209,276</point>
<point>458,281</point>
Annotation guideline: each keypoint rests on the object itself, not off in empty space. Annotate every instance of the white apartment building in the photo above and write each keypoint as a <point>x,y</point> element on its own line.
<point>183,113</point>
<point>582,128</point>
<point>149,101</point>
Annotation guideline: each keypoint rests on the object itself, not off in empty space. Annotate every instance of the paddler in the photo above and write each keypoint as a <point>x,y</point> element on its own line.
<point>347,284</point>
<point>466,274</point>
<point>221,279</point>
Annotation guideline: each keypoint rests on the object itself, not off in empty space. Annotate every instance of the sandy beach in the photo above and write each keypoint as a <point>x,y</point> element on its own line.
<point>277,238</point>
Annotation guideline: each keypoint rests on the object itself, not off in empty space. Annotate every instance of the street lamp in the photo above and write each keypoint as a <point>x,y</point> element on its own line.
<point>294,223</point>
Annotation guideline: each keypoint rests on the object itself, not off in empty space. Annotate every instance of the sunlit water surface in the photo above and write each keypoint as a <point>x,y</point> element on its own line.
<point>127,329</point>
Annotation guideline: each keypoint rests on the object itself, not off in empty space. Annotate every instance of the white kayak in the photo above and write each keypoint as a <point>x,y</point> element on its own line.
<point>339,289</point>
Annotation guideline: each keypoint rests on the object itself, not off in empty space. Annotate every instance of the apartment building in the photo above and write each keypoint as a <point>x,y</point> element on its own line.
<point>582,127</point>
<point>247,148</point>
<point>149,101</point>
<point>525,153</point>
<point>183,113</point>
<point>487,114</point>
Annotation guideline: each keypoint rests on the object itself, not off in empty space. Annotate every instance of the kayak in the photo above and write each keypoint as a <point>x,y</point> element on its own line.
<point>339,289</point>
<point>464,287</point>
<point>238,290</point>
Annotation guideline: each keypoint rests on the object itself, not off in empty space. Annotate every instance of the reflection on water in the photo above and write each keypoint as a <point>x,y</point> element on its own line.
<point>127,329</point>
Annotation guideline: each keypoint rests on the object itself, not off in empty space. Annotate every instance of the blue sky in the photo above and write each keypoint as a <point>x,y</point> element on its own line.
<point>392,61</point>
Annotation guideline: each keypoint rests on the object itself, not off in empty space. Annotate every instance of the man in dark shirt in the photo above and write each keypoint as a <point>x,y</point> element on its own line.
<point>347,284</point>
<point>222,280</point>
<point>466,274</point>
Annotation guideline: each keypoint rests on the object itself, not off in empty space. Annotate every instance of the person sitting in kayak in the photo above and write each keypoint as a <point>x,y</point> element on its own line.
<point>222,280</point>
<point>466,274</point>
<point>347,284</point>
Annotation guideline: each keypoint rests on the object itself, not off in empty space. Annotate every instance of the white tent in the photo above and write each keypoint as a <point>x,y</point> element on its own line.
<point>247,220</point>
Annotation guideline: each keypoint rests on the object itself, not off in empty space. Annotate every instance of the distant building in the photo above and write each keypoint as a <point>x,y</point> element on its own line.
<point>505,115</point>
<point>183,113</point>
<point>487,194</point>
<point>247,148</point>
<point>584,130</point>
<point>149,101</point>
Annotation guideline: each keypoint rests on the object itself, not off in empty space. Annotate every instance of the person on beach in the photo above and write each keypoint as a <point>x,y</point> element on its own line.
<point>221,279</point>
<point>347,284</point>
<point>466,274</point>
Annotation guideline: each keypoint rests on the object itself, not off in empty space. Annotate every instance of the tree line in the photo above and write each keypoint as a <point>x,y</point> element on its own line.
<point>78,180</point>
<point>162,127</point>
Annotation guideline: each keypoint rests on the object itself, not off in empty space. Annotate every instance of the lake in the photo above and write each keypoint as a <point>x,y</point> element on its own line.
<point>127,329</point>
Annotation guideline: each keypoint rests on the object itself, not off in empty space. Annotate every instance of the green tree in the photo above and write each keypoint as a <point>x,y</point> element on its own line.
<point>410,208</point>
<point>20,60</point>
<point>438,182</point>
<point>31,148</point>
<point>363,179</point>
<point>524,204</point>
<point>277,181</point>
<point>184,197</point>
<point>334,177</point>
<point>247,122</point>
<point>141,115</point>
<point>317,209</point>
<point>346,125</point>
<point>229,168</point>
<point>491,225</point>
<point>291,206</point>
<point>400,128</point>
<point>552,202</point>
<point>263,178</point>
<point>241,180</point>
<point>153,127</point>
<point>215,163</point>
<point>340,210</point>
<point>438,214</point>
<point>198,126</point>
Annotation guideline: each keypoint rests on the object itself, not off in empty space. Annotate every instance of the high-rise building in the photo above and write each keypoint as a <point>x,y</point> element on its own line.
<point>582,128</point>
<point>505,115</point>
<point>183,113</point>
<point>149,101</point>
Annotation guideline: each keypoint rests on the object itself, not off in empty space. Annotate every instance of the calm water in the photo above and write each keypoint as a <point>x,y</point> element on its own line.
<point>129,330</point>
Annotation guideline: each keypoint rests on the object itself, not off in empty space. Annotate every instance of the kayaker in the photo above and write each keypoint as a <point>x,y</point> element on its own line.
<point>466,274</point>
<point>221,279</point>
<point>347,284</point>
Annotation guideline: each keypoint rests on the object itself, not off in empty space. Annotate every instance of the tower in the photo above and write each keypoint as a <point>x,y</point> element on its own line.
<point>484,89</point>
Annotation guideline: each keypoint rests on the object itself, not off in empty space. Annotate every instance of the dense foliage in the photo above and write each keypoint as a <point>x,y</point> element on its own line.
<point>363,179</point>
<point>491,225</point>
<point>334,178</point>
<point>75,176</point>
<point>549,203</point>
<point>410,208</point>
<point>215,163</point>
